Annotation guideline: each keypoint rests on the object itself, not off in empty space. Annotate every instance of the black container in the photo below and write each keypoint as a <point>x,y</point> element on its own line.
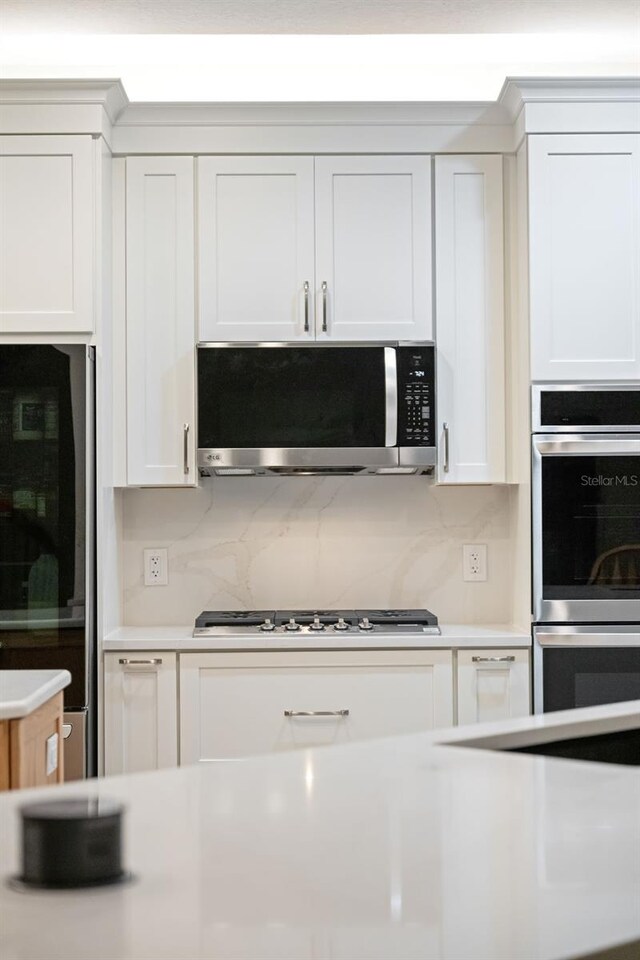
<point>72,843</point>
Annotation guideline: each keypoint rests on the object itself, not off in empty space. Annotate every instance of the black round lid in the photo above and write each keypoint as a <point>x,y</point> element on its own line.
<point>82,808</point>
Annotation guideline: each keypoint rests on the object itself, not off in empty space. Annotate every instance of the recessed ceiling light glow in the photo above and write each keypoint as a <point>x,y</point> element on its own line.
<point>312,67</point>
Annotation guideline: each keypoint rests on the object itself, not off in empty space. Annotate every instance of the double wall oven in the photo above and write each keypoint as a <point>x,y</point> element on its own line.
<point>586,536</point>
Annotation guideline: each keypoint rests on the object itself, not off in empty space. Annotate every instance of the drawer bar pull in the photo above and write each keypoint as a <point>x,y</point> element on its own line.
<point>151,663</point>
<point>316,713</point>
<point>493,659</point>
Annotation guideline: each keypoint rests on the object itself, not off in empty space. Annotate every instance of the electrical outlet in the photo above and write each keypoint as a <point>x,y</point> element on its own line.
<point>155,568</point>
<point>474,561</point>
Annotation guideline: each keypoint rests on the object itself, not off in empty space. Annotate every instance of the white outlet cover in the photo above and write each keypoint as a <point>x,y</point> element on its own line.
<point>474,562</point>
<point>155,567</point>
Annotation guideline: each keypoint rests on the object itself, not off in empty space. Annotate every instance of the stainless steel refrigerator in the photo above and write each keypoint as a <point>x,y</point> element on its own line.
<point>47,528</point>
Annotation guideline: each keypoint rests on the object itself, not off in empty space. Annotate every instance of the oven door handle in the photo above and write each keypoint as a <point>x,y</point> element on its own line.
<point>581,445</point>
<point>579,637</point>
<point>391,397</point>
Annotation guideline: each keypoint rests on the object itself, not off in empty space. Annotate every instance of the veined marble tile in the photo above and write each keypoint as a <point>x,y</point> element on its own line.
<point>316,542</point>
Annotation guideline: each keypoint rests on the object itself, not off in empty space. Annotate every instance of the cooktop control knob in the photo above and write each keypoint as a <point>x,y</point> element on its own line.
<point>365,624</point>
<point>267,625</point>
<point>316,625</point>
<point>341,624</point>
<point>292,625</point>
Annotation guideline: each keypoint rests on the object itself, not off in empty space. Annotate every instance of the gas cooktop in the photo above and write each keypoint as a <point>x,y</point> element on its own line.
<point>216,623</point>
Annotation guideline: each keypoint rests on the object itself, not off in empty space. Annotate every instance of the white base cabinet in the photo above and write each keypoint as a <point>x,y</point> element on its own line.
<point>140,712</point>
<point>238,704</point>
<point>493,685</point>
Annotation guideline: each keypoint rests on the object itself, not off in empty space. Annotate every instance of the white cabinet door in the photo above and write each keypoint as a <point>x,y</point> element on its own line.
<point>160,321</point>
<point>47,225</point>
<point>140,712</point>
<point>256,257</point>
<point>234,705</point>
<point>373,248</point>
<point>584,249</point>
<point>493,685</point>
<point>470,319</point>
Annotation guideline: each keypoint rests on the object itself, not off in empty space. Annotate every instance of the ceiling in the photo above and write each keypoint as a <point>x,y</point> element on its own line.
<point>285,50</point>
<point>318,16</point>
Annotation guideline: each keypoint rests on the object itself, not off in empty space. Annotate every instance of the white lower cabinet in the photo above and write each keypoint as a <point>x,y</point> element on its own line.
<point>140,712</point>
<point>493,685</point>
<point>238,704</point>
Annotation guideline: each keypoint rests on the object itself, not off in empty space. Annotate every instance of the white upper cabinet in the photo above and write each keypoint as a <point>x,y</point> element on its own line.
<point>287,255</point>
<point>470,319</point>
<point>373,248</point>
<point>47,227</point>
<point>256,257</point>
<point>160,338</point>
<point>584,247</point>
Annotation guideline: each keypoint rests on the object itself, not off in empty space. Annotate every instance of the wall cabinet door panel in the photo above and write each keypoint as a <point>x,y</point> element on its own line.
<point>234,705</point>
<point>140,712</point>
<point>373,248</point>
<point>47,225</point>
<point>584,247</point>
<point>493,685</point>
<point>256,256</point>
<point>470,319</point>
<point>160,321</point>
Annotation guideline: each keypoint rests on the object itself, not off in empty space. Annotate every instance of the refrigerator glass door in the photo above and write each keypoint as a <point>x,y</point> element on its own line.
<point>43,464</point>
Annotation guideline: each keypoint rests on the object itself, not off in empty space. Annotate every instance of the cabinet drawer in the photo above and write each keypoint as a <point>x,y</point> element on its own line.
<point>493,685</point>
<point>236,705</point>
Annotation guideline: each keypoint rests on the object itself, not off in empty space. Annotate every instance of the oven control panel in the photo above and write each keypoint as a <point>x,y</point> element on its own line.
<point>416,396</point>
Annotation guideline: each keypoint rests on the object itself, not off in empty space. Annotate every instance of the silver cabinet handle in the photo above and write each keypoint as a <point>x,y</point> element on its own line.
<point>445,428</point>
<point>324,306</point>
<point>316,713</point>
<point>306,306</point>
<point>493,659</point>
<point>155,662</point>
<point>185,448</point>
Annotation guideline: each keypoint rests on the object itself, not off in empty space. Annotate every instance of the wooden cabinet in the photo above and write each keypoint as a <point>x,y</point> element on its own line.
<point>140,712</point>
<point>493,685</point>
<point>160,321</point>
<point>584,248</point>
<point>47,225</point>
<point>292,248</point>
<point>469,258</point>
<point>234,705</point>
<point>31,748</point>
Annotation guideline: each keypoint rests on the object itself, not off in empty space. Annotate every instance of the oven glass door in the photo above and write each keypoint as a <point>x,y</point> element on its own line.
<point>587,514</point>
<point>587,676</point>
<point>280,397</point>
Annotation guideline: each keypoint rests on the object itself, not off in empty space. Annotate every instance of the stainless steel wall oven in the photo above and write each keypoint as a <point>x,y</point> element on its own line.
<point>586,544</point>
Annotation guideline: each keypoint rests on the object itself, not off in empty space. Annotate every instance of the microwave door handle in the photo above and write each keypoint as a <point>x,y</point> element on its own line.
<point>391,394</point>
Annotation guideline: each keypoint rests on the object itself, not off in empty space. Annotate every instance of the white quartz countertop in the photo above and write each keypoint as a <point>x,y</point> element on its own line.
<point>409,848</point>
<point>181,639</point>
<point>23,691</point>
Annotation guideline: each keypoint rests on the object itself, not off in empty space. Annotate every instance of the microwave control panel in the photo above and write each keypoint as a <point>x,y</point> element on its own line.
<point>416,396</point>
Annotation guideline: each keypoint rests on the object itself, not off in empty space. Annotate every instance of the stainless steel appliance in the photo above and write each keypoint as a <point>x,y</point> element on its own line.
<point>47,542</point>
<point>315,623</point>
<point>286,408</point>
<point>585,665</point>
<point>586,544</point>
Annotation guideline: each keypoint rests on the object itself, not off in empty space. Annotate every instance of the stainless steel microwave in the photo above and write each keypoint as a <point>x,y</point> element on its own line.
<point>268,409</point>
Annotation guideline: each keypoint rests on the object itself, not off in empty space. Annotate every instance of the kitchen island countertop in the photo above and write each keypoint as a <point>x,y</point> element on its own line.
<point>408,847</point>
<point>23,691</point>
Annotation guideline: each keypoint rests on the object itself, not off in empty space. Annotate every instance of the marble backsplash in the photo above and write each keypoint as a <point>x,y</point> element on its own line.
<point>254,543</point>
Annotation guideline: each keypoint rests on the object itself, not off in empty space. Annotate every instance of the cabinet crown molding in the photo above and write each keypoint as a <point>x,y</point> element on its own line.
<point>108,93</point>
